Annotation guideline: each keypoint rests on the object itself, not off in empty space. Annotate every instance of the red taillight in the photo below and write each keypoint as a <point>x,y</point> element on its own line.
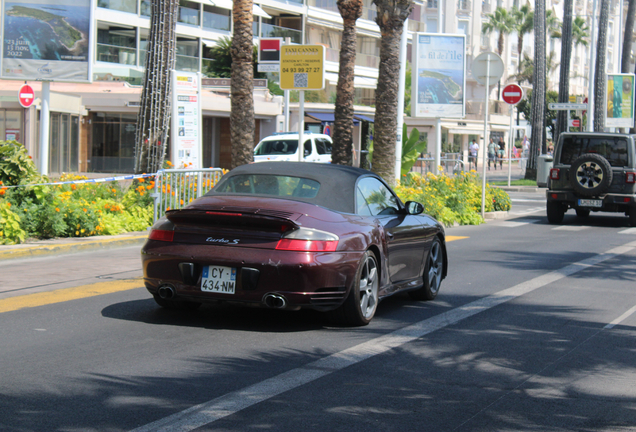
<point>555,173</point>
<point>554,196</point>
<point>307,245</point>
<point>161,235</point>
<point>630,177</point>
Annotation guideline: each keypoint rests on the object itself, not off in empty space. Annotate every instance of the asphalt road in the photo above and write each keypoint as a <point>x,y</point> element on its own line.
<point>533,330</point>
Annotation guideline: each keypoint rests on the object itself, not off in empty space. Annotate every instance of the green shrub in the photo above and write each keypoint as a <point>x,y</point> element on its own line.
<point>10,230</point>
<point>16,166</point>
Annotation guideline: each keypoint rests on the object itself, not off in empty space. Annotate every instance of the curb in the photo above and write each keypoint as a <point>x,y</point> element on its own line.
<point>520,188</point>
<point>68,246</point>
<point>496,215</point>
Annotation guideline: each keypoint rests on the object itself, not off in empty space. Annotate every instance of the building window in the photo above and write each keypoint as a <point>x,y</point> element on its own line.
<point>113,145</point>
<point>216,18</point>
<point>431,25</point>
<point>330,39</point>
<point>145,8</point>
<point>120,5</point>
<point>116,44</point>
<point>187,54</point>
<point>324,4</point>
<point>368,52</point>
<point>189,12</point>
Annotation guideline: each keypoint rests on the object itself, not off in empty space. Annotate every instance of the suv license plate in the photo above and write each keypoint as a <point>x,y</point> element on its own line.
<point>590,203</point>
<point>218,279</point>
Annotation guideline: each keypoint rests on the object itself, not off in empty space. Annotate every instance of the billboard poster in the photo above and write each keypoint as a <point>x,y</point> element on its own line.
<point>47,40</point>
<point>619,105</point>
<point>186,120</point>
<point>439,81</point>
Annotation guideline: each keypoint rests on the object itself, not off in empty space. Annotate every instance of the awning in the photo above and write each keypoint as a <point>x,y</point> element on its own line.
<point>323,117</point>
<point>227,4</point>
<point>363,118</point>
<point>365,82</point>
<point>466,131</point>
<point>209,43</point>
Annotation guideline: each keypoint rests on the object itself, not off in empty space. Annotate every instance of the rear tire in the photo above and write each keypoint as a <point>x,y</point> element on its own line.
<point>632,217</point>
<point>555,212</point>
<point>362,301</point>
<point>433,272</point>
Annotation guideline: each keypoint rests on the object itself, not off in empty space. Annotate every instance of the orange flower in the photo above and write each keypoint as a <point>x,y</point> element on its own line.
<point>57,209</point>
<point>170,163</point>
<point>1,192</point>
<point>8,204</point>
<point>73,187</point>
<point>114,190</point>
<point>141,180</point>
<point>181,202</point>
<point>85,210</point>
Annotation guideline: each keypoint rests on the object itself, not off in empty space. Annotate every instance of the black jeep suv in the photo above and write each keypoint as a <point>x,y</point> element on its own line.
<point>593,172</point>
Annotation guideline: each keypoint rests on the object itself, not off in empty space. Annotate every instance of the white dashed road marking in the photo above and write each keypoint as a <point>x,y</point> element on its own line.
<point>628,231</point>
<point>571,228</point>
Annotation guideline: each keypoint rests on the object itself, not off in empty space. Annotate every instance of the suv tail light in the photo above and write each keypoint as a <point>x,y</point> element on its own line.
<point>555,173</point>
<point>308,240</point>
<point>630,177</point>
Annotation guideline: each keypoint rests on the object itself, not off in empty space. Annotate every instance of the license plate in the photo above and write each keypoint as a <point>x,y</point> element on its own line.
<point>590,203</point>
<point>218,279</point>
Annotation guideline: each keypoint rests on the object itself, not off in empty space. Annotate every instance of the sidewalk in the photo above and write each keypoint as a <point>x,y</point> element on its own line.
<point>40,248</point>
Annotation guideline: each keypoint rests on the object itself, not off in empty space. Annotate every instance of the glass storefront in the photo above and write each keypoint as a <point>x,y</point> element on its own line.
<point>63,143</point>
<point>113,142</point>
<point>11,125</point>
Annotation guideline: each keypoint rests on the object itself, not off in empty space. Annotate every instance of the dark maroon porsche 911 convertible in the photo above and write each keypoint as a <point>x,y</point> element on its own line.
<point>294,235</point>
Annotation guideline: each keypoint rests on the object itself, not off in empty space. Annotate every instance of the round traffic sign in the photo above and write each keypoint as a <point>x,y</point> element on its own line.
<point>512,94</point>
<point>26,95</point>
<point>488,63</point>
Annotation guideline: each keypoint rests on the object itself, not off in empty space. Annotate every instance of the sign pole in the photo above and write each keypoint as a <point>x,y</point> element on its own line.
<point>286,95</point>
<point>484,148</point>
<point>44,128</point>
<point>301,124</point>
<point>511,140</point>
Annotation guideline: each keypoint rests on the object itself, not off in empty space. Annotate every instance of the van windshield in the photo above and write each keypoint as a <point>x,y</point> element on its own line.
<point>277,147</point>
<point>614,149</point>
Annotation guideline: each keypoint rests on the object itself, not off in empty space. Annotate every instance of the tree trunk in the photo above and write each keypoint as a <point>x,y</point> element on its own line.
<point>350,10</point>
<point>537,139</point>
<point>599,68</point>
<point>564,74</point>
<point>629,36</point>
<point>153,121</point>
<point>390,19</point>
<point>242,85</point>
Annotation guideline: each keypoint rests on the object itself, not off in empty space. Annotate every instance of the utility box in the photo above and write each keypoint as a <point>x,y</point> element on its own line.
<point>544,164</point>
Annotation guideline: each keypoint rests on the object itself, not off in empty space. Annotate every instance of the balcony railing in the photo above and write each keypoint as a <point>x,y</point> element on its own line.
<point>463,5</point>
<point>324,4</point>
<point>116,54</point>
<point>367,60</point>
<point>188,16</point>
<point>270,30</point>
<point>215,21</point>
<point>187,63</point>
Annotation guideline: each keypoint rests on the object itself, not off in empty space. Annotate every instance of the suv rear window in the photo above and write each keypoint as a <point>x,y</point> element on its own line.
<point>612,149</point>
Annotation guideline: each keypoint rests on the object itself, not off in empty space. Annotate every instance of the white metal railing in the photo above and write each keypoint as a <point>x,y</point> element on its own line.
<point>176,188</point>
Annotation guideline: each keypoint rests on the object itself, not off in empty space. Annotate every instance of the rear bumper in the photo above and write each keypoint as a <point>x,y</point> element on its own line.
<point>620,203</point>
<point>317,280</point>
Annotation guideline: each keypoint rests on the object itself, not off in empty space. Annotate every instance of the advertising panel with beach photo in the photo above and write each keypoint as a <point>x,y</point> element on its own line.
<point>439,76</point>
<point>47,40</point>
<point>619,106</point>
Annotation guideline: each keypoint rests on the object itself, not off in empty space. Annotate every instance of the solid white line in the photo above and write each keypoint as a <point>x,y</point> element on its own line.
<point>621,318</point>
<point>231,403</point>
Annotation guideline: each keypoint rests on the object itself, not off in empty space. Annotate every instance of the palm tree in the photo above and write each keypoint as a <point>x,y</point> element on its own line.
<point>242,85</point>
<point>154,113</point>
<point>552,24</point>
<point>523,24</point>
<point>502,22</point>
<point>390,19</point>
<point>564,75</point>
<point>537,140</point>
<point>350,10</point>
<point>599,68</point>
<point>580,32</point>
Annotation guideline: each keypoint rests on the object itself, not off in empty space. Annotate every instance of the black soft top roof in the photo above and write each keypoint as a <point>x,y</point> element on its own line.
<point>337,182</point>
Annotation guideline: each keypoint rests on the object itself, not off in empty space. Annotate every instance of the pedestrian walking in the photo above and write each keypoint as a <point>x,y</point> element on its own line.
<point>501,151</point>
<point>474,151</point>
<point>492,153</point>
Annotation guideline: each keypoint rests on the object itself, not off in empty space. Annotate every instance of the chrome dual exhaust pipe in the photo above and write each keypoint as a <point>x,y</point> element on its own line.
<point>274,301</point>
<point>166,292</point>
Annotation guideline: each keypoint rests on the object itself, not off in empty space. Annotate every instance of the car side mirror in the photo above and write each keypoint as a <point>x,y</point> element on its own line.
<point>414,208</point>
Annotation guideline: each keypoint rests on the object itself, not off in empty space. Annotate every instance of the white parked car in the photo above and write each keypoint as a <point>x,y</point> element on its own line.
<point>284,147</point>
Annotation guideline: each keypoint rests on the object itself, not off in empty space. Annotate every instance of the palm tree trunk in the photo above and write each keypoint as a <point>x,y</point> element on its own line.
<point>242,85</point>
<point>629,36</point>
<point>599,68</point>
<point>350,10</point>
<point>564,74</point>
<point>537,139</point>
<point>390,19</point>
<point>153,121</point>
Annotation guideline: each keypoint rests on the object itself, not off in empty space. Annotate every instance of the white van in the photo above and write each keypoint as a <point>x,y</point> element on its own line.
<point>284,147</point>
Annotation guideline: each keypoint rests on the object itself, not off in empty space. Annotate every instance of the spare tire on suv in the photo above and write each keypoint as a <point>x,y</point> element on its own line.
<point>590,174</point>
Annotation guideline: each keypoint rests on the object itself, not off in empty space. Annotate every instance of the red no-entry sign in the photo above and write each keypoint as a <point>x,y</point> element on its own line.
<point>26,95</point>
<point>512,94</point>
